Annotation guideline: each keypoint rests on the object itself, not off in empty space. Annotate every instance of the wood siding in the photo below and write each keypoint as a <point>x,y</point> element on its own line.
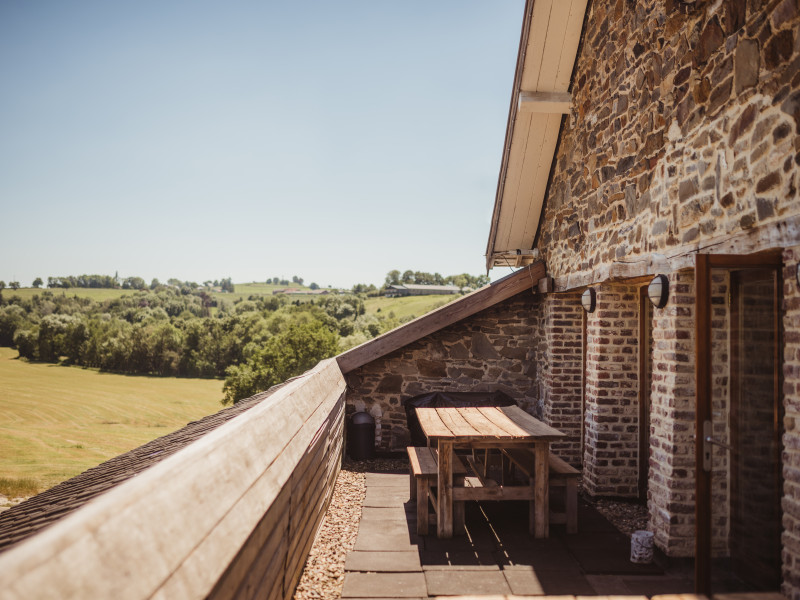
<point>232,515</point>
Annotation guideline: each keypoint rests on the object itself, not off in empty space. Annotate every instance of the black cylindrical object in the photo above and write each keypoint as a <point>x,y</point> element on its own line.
<point>362,436</point>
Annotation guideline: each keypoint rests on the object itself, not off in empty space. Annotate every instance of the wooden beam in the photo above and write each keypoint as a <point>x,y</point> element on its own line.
<point>546,285</point>
<point>502,289</point>
<point>557,103</point>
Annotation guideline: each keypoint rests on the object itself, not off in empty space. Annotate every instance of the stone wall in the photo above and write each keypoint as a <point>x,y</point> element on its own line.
<point>611,451</point>
<point>684,128</point>
<point>790,540</point>
<point>497,349</point>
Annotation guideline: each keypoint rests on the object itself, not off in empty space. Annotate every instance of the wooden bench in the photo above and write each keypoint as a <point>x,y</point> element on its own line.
<point>424,473</point>
<point>562,475</point>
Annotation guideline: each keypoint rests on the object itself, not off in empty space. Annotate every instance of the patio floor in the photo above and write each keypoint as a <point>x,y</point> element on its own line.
<point>497,556</point>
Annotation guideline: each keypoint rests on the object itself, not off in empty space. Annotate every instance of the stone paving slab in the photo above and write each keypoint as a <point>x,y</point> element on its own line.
<point>374,526</point>
<point>393,513</point>
<point>383,562</point>
<point>388,480</point>
<point>564,582</point>
<point>386,542</point>
<point>522,580</point>
<point>386,497</point>
<point>451,583</point>
<point>467,559</point>
<point>384,585</point>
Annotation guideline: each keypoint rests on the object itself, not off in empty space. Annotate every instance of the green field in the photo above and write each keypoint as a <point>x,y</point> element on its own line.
<point>56,422</point>
<point>408,306</point>
<point>98,294</point>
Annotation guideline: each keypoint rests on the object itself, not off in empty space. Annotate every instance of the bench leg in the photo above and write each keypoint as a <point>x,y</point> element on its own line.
<point>458,508</point>
<point>506,466</point>
<point>571,503</point>
<point>422,505</point>
<point>413,491</point>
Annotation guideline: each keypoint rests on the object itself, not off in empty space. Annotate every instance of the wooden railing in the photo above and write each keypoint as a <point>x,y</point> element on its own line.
<point>232,515</point>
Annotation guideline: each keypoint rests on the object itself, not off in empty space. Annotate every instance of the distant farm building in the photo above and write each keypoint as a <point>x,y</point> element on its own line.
<point>301,292</point>
<point>411,289</point>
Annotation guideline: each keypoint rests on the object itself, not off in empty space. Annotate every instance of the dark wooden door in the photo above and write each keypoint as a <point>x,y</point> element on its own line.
<point>739,421</point>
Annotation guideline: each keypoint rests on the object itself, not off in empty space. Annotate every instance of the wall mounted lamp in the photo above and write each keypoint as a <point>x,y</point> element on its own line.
<point>658,291</point>
<point>589,300</point>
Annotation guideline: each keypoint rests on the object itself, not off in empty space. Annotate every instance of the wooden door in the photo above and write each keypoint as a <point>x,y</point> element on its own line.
<point>739,420</point>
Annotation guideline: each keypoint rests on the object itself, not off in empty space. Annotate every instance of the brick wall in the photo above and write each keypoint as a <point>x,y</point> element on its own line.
<point>670,496</point>
<point>611,452</point>
<point>497,349</point>
<point>561,371</point>
<point>791,437</point>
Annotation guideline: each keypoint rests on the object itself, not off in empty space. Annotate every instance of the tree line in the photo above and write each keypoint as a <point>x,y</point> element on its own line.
<point>179,329</point>
<point>253,343</point>
<point>464,280</point>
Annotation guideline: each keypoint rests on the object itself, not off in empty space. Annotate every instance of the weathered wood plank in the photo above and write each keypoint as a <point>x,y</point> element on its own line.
<point>500,492</point>
<point>444,521</point>
<point>239,579</point>
<point>458,426</point>
<point>431,423</point>
<point>531,424</point>
<point>464,307</point>
<point>478,421</point>
<point>540,526</point>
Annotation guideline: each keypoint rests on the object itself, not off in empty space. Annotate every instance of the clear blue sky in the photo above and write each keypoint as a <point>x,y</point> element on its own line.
<point>200,140</point>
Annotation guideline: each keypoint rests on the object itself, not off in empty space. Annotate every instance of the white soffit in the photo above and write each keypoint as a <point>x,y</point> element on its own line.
<point>548,48</point>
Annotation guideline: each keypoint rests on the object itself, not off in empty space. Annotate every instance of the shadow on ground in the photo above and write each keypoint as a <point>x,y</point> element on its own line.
<point>497,555</point>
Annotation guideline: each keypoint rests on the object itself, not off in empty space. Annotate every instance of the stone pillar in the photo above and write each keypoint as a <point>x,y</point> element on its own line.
<point>612,443</point>
<point>790,540</point>
<point>561,372</point>
<point>670,496</point>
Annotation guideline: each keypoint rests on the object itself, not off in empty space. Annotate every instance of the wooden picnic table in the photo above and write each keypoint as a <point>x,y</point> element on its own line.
<point>494,427</point>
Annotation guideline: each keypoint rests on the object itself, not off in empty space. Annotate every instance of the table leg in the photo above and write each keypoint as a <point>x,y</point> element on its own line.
<point>444,520</point>
<point>541,490</point>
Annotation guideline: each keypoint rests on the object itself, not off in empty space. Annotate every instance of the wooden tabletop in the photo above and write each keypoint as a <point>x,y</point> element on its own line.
<point>482,423</point>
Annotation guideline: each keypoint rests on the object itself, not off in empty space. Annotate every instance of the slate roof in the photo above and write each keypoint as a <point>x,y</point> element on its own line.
<point>36,513</point>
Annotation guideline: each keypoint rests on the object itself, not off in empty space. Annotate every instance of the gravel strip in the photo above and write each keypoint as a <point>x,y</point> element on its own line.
<point>323,576</point>
<point>626,515</point>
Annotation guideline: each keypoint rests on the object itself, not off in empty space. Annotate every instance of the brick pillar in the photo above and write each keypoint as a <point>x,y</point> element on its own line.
<point>612,414</point>
<point>561,374</point>
<point>670,496</point>
<point>790,540</point>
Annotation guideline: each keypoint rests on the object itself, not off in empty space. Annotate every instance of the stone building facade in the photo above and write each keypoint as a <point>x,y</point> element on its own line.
<point>682,138</point>
<point>495,349</point>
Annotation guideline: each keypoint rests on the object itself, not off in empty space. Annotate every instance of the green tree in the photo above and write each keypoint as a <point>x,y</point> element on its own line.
<point>314,286</point>
<point>37,283</point>
<point>14,285</point>
<point>292,352</point>
<point>393,277</point>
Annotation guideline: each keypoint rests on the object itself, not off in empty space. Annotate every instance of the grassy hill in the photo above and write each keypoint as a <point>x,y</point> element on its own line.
<point>56,422</point>
<point>409,306</point>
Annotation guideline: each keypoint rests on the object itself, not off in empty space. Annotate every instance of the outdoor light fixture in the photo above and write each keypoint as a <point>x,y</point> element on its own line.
<point>589,300</point>
<point>658,291</point>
